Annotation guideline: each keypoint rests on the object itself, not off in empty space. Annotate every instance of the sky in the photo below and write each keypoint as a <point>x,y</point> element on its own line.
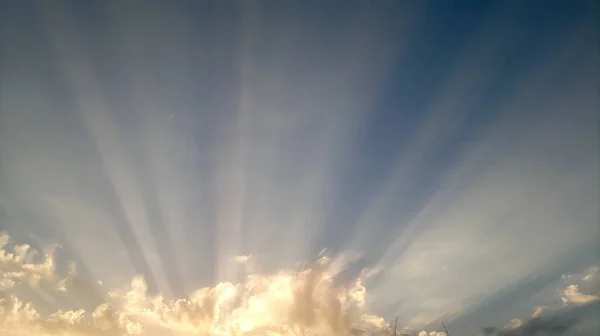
<point>255,167</point>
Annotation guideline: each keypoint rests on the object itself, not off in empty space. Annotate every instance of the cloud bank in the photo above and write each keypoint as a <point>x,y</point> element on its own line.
<point>309,302</point>
<point>314,300</point>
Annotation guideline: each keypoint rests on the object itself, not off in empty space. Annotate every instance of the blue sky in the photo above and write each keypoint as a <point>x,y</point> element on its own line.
<point>452,145</point>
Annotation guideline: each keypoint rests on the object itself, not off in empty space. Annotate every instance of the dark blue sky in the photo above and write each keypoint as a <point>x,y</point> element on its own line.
<point>436,138</point>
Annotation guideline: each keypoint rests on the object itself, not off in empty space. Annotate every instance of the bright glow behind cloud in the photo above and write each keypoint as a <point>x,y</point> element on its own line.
<point>285,303</point>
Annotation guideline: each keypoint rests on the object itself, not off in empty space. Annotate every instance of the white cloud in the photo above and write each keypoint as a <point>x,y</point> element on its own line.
<point>572,295</point>
<point>432,333</point>
<point>280,303</point>
<point>16,266</point>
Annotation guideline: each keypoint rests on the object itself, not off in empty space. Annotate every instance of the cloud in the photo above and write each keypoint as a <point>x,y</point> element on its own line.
<point>432,333</point>
<point>576,307</point>
<point>591,274</point>
<point>6,284</point>
<point>17,266</point>
<point>514,324</point>
<point>72,273</point>
<point>312,301</point>
<point>283,302</point>
<point>242,259</point>
<point>538,311</point>
<point>554,321</point>
<point>17,316</point>
<point>572,295</point>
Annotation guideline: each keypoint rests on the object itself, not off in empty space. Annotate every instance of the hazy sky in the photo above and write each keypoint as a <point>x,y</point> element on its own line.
<point>451,144</point>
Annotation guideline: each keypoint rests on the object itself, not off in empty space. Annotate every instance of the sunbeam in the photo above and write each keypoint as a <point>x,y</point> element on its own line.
<point>299,168</point>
